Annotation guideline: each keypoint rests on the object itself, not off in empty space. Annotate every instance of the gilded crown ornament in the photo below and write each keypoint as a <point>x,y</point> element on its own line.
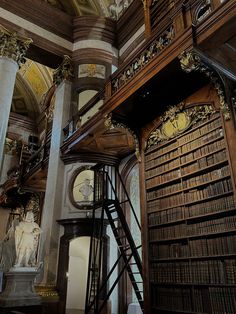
<point>13,46</point>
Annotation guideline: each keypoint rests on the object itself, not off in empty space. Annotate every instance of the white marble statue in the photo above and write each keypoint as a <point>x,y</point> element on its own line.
<point>26,241</point>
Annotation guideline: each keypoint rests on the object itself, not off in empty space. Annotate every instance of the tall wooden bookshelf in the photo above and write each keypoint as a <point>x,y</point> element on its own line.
<point>191,217</point>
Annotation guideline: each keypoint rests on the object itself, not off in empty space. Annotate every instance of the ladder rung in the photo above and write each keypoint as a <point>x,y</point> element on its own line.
<point>121,237</point>
<point>118,228</point>
<point>123,202</point>
<point>124,245</point>
<point>115,219</point>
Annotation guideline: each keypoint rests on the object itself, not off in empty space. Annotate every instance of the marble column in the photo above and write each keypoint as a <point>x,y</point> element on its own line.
<point>53,196</point>
<point>12,52</point>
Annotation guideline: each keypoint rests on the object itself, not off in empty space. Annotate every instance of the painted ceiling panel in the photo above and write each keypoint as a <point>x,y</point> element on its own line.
<point>105,8</point>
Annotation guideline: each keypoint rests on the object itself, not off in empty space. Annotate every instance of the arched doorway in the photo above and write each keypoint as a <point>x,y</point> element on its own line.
<point>77,275</point>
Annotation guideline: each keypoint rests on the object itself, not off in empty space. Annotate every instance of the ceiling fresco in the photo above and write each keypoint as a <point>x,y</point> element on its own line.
<point>32,82</point>
<point>106,8</point>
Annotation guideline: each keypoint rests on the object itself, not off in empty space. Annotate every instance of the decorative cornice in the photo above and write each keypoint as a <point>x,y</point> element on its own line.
<point>13,46</point>
<point>64,71</point>
<point>112,124</point>
<point>191,61</point>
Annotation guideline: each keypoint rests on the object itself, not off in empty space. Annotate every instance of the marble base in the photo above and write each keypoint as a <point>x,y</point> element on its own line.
<point>20,289</point>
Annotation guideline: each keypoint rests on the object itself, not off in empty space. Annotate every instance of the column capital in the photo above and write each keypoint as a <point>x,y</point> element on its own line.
<point>64,71</point>
<point>13,46</point>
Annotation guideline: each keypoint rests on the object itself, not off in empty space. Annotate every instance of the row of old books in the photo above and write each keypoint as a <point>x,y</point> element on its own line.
<point>199,148</point>
<point>180,230</point>
<point>203,151</point>
<point>185,212</point>
<point>206,128</point>
<point>207,177</point>
<point>206,247</point>
<point>202,140</point>
<point>149,163</point>
<point>164,178</point>
<point>213,189</point>
<point>223,300</point>
<point>214,300</point>
<point>198,165</point>
<point>196,272</point>
<point>204,162</point>
<point>167,166</point>
<point>161,150</point>
<point>164,191</point>
<point>189,183</point>
<point>171,298</point>
<point>197,194</point>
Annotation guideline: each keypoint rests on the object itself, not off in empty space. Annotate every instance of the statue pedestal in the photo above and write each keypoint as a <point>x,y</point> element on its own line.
<point>20,289</point>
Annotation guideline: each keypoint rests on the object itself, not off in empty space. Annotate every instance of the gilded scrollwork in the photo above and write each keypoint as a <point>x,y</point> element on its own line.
<point>176,120</point>
<point>144,58</point>
<point>13,46</point>
<point>191,61</point>
<point>11,147</point>
<point>110,123</point>
<point>47,291</point>
<point>64,71</point>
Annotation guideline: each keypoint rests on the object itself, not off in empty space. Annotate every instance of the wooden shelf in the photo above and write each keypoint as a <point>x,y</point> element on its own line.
<point>189,188</point>
<point>202,156</point>
<point>192,218</point>
<point>207,257</point>
<point>163,144</point>
<point>193,284</point>
<point>192,202</point>
<point>204,189</point>
<point>195,236</point>
<point>210,167</point>
<point>160,173</point>
<point>176,311</point>
<point>199,146</point>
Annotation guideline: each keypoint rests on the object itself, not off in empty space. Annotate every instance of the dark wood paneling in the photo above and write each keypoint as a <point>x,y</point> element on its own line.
<point>92,55</point>
<point>94,27</point>
<point>127,26</point>
<point>41,50</point>
<point>41,14</point>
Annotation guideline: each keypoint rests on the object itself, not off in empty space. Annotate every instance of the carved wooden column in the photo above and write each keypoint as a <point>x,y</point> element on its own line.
<point>12,52</point>
<point>52,204</point>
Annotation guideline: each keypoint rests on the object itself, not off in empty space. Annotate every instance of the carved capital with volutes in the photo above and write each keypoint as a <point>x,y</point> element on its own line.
<point>13,46</point>
<point>191,61</point>
<point>64,71</point>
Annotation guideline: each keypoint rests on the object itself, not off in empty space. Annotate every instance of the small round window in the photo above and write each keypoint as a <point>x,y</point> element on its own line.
<point>82,187</point>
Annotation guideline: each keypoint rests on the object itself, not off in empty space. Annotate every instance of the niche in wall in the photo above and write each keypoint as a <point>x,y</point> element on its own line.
<point>82,188</point>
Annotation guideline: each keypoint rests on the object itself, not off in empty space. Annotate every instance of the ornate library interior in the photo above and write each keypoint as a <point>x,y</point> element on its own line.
<point>117,156</point>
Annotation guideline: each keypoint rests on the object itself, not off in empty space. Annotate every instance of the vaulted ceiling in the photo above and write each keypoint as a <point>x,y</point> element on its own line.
<point>106,8</point>
<point>32,82</point>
